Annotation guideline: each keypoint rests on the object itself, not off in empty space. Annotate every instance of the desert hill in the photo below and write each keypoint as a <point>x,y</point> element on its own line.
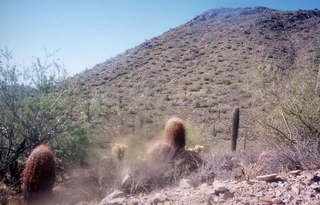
<point>201,70</point>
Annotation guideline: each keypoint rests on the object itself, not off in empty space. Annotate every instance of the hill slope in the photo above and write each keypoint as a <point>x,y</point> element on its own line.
<point>289,188</point>
<point>201,70</point>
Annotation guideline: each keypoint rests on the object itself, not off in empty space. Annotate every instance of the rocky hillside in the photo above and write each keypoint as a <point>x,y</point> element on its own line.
<point>201,70</point>
<point>295,187</point>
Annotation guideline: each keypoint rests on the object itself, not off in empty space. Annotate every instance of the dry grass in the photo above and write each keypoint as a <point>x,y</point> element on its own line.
<point>148,175</point>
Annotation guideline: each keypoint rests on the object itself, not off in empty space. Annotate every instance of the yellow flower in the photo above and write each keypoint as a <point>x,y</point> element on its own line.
<point>118,150</point>
<point>197,148</point>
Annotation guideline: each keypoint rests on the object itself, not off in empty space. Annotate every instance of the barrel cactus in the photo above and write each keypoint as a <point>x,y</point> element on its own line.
<point>39,175</point>
<point>175,133</point>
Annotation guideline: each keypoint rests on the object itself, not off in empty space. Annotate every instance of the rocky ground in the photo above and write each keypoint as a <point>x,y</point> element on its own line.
<point>296,187</point>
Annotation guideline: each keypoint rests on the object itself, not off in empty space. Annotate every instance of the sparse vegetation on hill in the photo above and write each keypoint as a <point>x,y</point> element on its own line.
<point>201,70</point>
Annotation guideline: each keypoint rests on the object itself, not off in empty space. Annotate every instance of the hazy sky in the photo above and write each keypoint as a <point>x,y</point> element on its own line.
<point>87,32</point>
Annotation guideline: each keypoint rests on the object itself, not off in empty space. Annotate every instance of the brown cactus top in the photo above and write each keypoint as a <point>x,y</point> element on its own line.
<point>39,173</point>
<point>174,133</point>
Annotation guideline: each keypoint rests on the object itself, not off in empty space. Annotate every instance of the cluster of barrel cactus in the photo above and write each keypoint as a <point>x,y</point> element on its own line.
<point>38,176</point>
<point>173,140</point>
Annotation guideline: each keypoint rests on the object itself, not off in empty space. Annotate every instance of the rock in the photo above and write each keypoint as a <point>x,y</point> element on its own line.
<point>251,182</point>
<point>295,172</point>
<point>272,201</point>
<point>186,183</point>
<point>317,189</point>
<point>117,201</point>
<point>237,174</point>
<point>157,198</point>
<point>221,190</point>
<point>203,187</point>
<point>259,194</point>
<point>314,178</point>
<point>116,197</point>
<point>126,181</point>
<point>296,189</point>
<point>227,195</point>
<point>135,202</point>
<point>289,189</point>
<point>309,175</point>
<point>116,194</point>
<point>219,187</point>
<point>83,203</point>
<point>269,177</point>
<point>278,193</point>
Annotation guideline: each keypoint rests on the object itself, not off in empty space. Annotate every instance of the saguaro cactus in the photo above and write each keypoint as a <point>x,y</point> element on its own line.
<point>235,128</point>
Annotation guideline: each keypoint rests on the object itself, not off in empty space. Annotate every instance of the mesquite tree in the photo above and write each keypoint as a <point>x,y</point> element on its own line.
<point>36,107</point>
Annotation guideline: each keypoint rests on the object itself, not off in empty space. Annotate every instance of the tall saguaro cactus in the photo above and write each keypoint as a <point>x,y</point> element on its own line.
<point>235,128</point>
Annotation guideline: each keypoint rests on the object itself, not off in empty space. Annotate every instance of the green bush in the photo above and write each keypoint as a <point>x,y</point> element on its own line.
<point>292,124</point>
<point>37,107</point>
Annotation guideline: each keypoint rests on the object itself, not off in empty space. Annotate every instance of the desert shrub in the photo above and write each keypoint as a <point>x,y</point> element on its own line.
<point>146,175</point>
<point>185,163</point>
<point>73,145</point>
<point>164,163</point>
<point>268,80</point>
<point>267,162</point>
<point>141,176</point>
<point>292,124</point>
<point>224,165</point>
<point>151,163</point>
<point>221,165</point>
<point>37,107</point>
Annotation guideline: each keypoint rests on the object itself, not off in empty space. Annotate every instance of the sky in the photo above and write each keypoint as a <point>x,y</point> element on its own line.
<point>82,33</point>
